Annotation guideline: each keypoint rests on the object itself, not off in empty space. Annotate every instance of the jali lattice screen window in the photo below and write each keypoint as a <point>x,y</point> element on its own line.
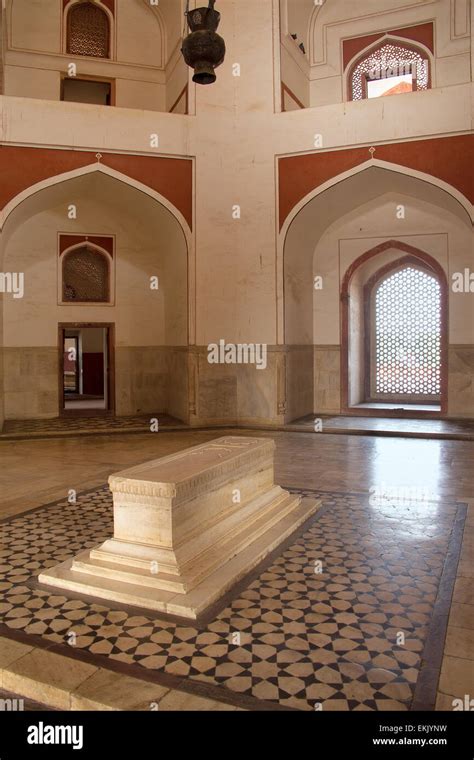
<point>85,276</point>
<point>389,61</point>
<point>88,31</point>
<point>407,308</point>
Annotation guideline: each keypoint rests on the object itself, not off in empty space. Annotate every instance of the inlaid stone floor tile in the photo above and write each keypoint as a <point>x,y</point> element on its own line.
<point>266,691</point>
<point>294,636</point>
<point>389,705</point>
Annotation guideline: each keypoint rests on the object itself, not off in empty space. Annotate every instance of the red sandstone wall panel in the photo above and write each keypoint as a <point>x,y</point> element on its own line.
<point>421,33</point>
<point>449,159</point>
<point>171,177</point>
<point>103,241</point>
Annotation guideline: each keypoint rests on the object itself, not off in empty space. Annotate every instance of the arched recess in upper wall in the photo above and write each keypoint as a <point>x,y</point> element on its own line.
<point>318,39</point>
<point>295,20</point>
<point>171,15</point>
<point>143,38</point>
<point>140,33</point>
<point>343,20</point>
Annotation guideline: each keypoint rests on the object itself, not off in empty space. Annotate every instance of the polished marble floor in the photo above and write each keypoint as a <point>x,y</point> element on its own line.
<point>384,564</point>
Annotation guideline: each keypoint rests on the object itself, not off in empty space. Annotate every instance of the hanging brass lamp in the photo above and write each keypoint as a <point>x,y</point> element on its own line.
<point>203,49</point>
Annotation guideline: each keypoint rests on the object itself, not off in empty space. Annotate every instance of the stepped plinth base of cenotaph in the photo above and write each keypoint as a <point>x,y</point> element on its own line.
<point>187,527</point>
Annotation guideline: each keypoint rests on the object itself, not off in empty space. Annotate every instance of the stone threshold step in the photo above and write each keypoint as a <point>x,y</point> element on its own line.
<point>66,683</point>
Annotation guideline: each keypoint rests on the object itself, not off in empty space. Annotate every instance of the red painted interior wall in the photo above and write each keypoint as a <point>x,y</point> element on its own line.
<point>421,33</point>
<point>170,177</point>
<point>447,158</point>
<point>93,374</point>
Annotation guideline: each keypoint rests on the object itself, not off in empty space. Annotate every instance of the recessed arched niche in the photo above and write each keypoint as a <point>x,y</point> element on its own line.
<point>340,243</point>
<point>123,264</point>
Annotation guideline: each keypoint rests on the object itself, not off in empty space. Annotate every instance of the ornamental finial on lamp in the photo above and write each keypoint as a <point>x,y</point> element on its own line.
<point>203,49</point>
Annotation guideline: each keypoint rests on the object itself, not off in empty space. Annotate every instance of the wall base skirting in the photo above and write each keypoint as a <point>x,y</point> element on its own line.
<point>181,382</point>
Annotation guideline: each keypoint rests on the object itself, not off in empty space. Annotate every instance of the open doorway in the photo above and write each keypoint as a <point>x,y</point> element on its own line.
<point>86,369</point>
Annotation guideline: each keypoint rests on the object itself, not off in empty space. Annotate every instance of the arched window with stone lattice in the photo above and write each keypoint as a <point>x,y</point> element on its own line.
<point>390,67</point>
<point>88,30</point>
<point>85,275</point>
<point>404,332</point>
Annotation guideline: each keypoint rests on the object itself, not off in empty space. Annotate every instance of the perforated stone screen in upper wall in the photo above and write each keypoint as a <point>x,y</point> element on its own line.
<point>88,31</point>
<point>85,276</point>
<point>408,334</point>
<point>388,61</point>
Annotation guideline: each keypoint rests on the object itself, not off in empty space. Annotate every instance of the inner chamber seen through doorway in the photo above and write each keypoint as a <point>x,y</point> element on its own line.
<point>85,370</point>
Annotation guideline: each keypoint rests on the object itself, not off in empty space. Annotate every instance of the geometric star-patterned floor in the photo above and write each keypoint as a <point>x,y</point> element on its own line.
<point>338,621</point>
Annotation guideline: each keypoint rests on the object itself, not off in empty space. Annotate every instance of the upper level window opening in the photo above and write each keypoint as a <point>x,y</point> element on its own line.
<point>88,31</point>
<point>391,68</point>
<point>87,91</point>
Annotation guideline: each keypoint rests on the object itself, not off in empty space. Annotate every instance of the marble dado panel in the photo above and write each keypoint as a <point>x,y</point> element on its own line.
<point>152,379</point>
<point>236,393</point>
<point>141,379</point>
<point>147,379</point>
<point>327,379</point>
<point>30,382</point>
<point>284,391</point>
<point>297,380</point>
<point>461,381</point>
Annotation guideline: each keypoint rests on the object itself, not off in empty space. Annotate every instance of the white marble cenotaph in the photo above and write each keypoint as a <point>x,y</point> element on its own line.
<point>187,527</point>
